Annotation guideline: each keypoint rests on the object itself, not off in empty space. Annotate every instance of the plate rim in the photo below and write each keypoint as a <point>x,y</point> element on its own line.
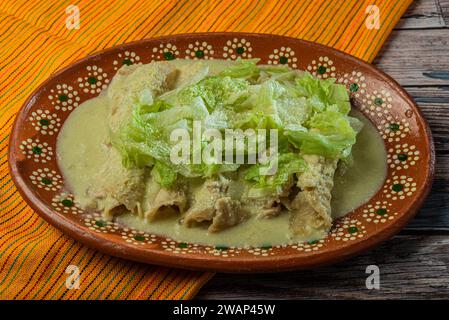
<point>255,264</point>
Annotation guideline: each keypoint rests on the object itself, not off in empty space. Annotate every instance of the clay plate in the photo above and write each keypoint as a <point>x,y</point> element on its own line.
<point>406,135</point>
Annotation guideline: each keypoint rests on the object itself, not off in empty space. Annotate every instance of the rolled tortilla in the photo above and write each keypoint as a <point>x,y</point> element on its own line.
<point>166,203</point>
<point>310,215</point>
<point>212,204</point>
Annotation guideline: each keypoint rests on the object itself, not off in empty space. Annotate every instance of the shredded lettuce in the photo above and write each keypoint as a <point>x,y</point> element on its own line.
<point>163,174</point>
<point>214,91</point>
<point>310,114</point>
<point>330,134</point>
<point>324,92</point>
<point>287,165</point>
<point>245,69</point>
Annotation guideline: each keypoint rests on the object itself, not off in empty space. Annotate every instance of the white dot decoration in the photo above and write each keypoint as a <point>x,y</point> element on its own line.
<point>309,246</point>
<point>283,56</point>
<point>263,252</point>
<point>402,156</point>
<point>354,82</point>
<point>137,237</point>
<point>199,50</point>
<point>63,97</point>
<point>221,251</point>
<point>347,229</point>
<point>377,103</point>
<point>97,223</point>
<point>399,187</point>
<point>379,212</point>
<point>34,149</point>
<point>45,122</point>
<point>95,81</point>
<point>237,48</point>
<point>65,203</point>
<point>393,129</point>
<point>46,179</point>
<point>322,68</point>
<point>165,51</point>
<point>126,58</point>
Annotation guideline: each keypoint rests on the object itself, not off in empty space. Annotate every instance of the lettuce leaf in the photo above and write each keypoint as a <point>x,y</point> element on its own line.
<point>287,165</point>
<point>246,69</point>
<point>330,135</point>
<point>163,174</point>
<point>324,92</point>
<point>214,91</point>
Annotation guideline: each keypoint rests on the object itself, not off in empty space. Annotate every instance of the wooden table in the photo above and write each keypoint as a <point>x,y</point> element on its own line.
<point>414,264</point>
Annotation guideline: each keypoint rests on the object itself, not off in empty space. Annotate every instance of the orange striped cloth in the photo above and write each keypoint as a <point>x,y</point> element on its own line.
<point>34,42</point>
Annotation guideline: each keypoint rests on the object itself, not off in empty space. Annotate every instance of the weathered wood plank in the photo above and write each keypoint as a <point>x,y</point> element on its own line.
<point>434,213</point>
<point>434,103</point>
<point>416,57</point>
<point>444,9</point>
<point>410,267</point>
<point>422,14</point>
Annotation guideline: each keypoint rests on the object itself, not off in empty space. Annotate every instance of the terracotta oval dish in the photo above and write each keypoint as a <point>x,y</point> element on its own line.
<point>408,142</point>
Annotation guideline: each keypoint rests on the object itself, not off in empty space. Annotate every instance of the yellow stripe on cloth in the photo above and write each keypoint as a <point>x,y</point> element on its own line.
<point>34,43</point>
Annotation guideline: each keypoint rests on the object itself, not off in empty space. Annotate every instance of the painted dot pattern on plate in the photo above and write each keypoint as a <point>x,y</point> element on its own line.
<point>94,81</point>
<point>283,56</point>
<point>137,237</point>
<point>96,222</point>
<point>179,247</point>
<point>348,229</point>
<point>34,149</point>
<point>126,58</point>
<point>46,179</point>
<point>65,203</point>
<point>402,156</point>
<point>393,129</point>
<point>399,187</point>
<point>309,246</point>
<point>264,251</point>
<point>64,97</point>
<point>45,122</point>
<point>199,50</point>
<point>354,82</point>
<point>237,48</point>
<point>166,51</point>
<point>377,103</point>
<point>322,68</point>
<point>221,251</point>
<point>379,212</point>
